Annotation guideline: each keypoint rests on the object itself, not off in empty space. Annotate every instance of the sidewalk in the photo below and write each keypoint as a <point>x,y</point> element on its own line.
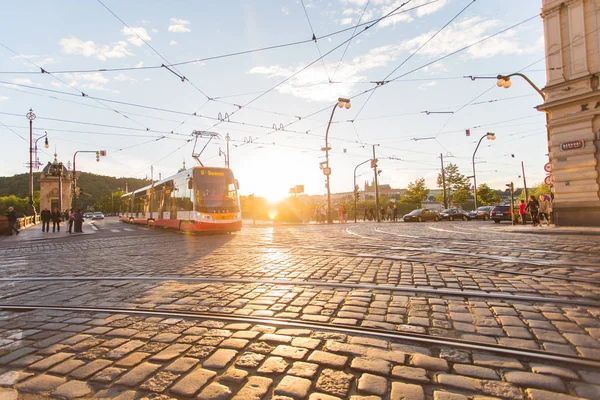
<point>548,230</point>
<point>34,233</point>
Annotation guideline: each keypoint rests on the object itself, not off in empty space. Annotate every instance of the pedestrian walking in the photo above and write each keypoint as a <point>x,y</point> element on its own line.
<point>544,211</point>
<point>389,213</point>
<point>56,220</point>
<point>341,213</point>
<point>372,214</point>
<point>382,213</point>
<point>71,221</point>
<point>12,220</point>
<point>78,221</point>
<point>533,207</point>
<point>395,213</point>
<point>366,214</point>
<point>523,212</point>
<point>45,216</point>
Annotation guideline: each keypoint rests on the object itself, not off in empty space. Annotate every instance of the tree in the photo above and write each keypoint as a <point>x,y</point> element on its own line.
<point>457,185</point>
<point>486,196</point>
<point>416,192</point>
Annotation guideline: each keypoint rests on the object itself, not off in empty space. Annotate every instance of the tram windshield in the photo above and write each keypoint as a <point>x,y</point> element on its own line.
<point>215,190</point>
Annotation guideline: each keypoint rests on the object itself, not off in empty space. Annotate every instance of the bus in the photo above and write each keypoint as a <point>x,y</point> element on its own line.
<point>199,199</point>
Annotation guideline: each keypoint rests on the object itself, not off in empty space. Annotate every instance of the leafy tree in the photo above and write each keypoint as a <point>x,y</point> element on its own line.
<point>457,184</point>
<point>416,192</point>
<point>486,196</point>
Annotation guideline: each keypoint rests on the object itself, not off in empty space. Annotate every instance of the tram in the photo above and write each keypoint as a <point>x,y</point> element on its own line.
<point>199,199</point>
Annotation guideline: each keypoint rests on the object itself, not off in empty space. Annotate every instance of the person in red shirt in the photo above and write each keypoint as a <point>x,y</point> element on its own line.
<point>522,211</point>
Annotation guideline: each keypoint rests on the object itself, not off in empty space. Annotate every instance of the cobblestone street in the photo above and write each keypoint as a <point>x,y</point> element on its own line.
<point>444,311</point>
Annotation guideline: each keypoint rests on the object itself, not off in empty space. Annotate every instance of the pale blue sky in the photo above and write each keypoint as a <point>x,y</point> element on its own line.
<point>76,35</point>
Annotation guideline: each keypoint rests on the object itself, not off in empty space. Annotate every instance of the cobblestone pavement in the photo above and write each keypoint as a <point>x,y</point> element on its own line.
<point>452,280</point>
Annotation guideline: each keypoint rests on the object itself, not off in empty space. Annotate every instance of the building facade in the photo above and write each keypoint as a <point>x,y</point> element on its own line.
<point>55,184</point>
<point>572,106</point>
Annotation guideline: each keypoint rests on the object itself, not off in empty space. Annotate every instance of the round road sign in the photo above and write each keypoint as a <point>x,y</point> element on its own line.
<point>548,167</point>
<point>549,180</point>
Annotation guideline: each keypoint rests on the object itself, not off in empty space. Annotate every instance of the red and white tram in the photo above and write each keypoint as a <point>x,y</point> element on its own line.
<point>199,199</point>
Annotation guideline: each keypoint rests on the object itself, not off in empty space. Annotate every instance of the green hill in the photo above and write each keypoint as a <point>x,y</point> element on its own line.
<point>95,187</point>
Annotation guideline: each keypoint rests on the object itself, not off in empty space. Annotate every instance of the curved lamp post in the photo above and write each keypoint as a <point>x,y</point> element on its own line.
<point>326,170</point>
<point>489,136</point>
<point>37,160</point>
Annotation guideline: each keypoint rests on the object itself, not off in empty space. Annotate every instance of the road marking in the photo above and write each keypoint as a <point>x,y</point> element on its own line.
<point>115,230</point>
<point>94,227</point>
<point>445,230</point>
<point>128,229</point>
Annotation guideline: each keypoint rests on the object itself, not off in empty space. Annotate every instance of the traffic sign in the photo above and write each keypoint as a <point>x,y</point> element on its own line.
<point>548,167</point>
<point>549,180</point>
<point>327,171</point>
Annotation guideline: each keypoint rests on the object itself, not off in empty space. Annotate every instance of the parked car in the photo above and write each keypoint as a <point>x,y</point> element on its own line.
<point>501,213</point>
<point>87,215</point>
<point>97,215</point>
<point>481,213</point>
<point>422,214</point>
<point>455,213</point>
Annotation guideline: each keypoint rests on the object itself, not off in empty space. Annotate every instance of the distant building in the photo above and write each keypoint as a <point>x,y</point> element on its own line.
<point>55,183</point>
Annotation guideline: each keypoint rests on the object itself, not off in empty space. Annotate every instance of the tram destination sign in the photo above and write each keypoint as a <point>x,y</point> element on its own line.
<point>573,145</point>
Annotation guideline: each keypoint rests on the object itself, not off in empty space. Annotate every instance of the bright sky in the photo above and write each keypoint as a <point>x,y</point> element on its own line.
<point>131,113</point>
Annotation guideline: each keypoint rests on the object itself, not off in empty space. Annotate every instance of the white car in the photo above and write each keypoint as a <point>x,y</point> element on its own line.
<point>97,215</point>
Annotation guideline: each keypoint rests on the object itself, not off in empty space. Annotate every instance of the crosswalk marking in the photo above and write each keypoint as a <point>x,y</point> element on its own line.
<point>128,229</point>
<point>115,230</point>
<point>94,227</point>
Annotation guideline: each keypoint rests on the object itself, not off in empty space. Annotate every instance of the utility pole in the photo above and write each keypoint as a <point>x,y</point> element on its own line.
<point>31,116</point>
<point>524,181</point>
<point>444,181</point>
<point>374,165</point>
<point>152,173</point>
<point>227,140</point>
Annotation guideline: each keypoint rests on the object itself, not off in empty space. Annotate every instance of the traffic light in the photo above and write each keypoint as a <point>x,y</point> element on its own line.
<point>374,163</point>
<point>468,132</point>
<point>98,156</point>
<point>357,195</point>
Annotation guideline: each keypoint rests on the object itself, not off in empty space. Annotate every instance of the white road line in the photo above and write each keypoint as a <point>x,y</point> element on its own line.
<point>128,229</point>
<point>445,230</point>
<point>94,227</point>
<point>115,230</point>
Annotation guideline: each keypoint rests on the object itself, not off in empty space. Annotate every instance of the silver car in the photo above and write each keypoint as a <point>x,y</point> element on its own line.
<point>97,215</point>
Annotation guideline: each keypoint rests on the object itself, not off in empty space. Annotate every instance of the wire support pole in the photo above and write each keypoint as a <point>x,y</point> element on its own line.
<point>355,199</point>
<point>31,116</point>
<point>444,181</point>
<point>524,180</point>
<point>376,187</point>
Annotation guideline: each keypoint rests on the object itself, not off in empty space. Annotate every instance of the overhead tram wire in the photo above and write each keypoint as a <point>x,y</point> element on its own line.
<point>139,106</point>
<point>226,55</point>
<point>314,38</point>
<point>70,86</point>
<point>13,131</point>
<point>348,44</point>
<point>181,76</point>
<point>315,61</point>
<point>414,70</point>
<point>415,52</point>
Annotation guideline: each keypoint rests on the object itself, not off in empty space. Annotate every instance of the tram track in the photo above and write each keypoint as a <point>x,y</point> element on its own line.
<point>446,264</point>
<point>345,329</point>
<point>283,282</point>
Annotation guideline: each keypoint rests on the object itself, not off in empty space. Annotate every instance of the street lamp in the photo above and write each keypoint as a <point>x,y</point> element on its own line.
<point>342,103</point>
<point>356,187</point>
<point>37,160</point>
<point>489,136</point>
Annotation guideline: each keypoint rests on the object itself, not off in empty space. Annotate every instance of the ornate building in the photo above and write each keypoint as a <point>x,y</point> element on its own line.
<point>571,30</point>
<point>55,183</point>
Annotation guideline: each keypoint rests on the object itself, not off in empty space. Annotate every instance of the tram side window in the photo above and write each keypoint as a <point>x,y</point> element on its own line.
<point>125,204</point>
<point>182,195</point>
<point>154,197</point>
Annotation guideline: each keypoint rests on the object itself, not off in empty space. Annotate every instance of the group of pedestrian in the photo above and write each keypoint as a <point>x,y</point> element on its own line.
<point>320,213</point>
<point>539,211</point>
<point>342,214</point>
<point>385,214</point>
<point>74,219</point>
